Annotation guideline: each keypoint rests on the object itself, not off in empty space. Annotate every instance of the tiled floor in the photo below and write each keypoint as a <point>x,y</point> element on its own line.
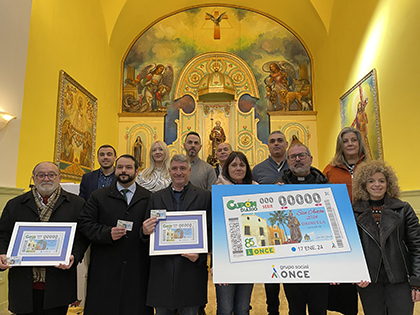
<point>257,302</point>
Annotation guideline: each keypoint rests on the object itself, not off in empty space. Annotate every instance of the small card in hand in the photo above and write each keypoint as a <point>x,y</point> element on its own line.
<point>160,214</point>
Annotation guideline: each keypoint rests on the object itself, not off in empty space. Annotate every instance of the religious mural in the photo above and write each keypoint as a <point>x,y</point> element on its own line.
<point>278,60</point>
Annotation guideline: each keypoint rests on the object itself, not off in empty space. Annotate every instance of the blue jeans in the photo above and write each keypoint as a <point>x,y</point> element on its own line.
<point>192,310</point>
<point>233,298</point>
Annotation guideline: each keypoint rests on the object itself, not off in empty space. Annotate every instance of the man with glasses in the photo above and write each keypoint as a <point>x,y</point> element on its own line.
<point>301,295</point>
<point>300,170</point>
<point>103,176</point>
<point>119,259</point>
<point>267,172</point>
<point>42,290</point>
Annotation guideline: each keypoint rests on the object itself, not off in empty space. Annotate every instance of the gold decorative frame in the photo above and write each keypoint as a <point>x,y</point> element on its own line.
<point>359,108</point>
<point>76,128</point>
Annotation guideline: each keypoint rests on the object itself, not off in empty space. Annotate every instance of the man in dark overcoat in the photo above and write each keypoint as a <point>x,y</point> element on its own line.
<point>34,290</point>
<point>103,176</point>
<point>178,282</point>
<point>119,260</point>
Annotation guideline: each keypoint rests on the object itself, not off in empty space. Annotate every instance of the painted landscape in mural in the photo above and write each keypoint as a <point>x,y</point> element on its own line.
<point>278,60</point>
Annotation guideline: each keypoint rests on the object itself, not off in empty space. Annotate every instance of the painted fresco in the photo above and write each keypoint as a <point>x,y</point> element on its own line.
<point>278,60</point>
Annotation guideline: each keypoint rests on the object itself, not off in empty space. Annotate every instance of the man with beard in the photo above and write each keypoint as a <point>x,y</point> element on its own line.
<point>202,174</point>
<point>42,290</point>
<point>119,260</point>
<point>103,176</point>
<point>302,295</point>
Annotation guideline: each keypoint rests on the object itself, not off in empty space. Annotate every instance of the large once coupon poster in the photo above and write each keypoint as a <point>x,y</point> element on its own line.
<point>289,233</point>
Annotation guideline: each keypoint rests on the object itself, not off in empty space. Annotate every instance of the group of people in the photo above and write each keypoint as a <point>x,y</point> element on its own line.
<point>113,216</point>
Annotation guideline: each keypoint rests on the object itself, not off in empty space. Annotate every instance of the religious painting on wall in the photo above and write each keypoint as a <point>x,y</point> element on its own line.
<point>76,128</point>
<point>360,109</point>
<point>153,65</point>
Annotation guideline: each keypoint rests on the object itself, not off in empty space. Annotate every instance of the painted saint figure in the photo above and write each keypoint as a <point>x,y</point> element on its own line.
<point>67,153</point>
<point>217,136</point>
<point>281,79</point>
<point>361,122</point>
<point>293,224</point>
<point>137,151</point>
<point>276,81</point>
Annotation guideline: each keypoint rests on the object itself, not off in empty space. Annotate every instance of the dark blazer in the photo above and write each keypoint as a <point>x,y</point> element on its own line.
<point>175,281</point>
<point>89,184</point>
<point>60,285</point>
<point>118,270</point>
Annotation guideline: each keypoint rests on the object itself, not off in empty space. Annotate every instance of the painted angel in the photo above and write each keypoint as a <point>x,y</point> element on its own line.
<point>281,77</point>
<point>154,83</point>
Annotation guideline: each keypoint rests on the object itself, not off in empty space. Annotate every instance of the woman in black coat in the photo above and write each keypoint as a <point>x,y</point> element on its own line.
<point>390,234</point>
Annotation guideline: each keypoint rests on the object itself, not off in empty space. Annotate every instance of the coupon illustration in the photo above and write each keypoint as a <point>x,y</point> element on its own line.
<point>183,232</point>
<point>283,224</point>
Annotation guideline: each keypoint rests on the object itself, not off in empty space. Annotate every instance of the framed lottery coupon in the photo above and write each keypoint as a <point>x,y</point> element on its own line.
<point>41,244</point>
<point>180,232</point>
<point>289,233</point>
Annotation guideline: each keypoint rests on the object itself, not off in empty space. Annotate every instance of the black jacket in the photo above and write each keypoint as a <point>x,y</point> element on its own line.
<point>60,285</point>
<point>315,177</point>
<point>118,270</point>
<point>175,281</point>
<point>89,183</point>
<point>396,244</point>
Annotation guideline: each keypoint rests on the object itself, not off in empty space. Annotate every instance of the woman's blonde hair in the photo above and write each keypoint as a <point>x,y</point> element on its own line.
<point>365,170</point>
<point>148,171</point>
<point>339,158</point>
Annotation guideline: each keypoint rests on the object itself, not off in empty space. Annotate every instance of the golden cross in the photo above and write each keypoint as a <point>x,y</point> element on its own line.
<point>216,18</point>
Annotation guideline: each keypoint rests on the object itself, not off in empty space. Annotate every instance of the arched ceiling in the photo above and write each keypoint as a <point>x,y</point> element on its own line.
<point>125,19</point>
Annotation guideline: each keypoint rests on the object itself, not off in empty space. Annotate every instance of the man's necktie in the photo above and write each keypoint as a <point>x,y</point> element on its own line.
<point>124,192</point>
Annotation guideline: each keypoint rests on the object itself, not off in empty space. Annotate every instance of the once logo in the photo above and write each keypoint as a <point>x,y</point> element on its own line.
<point>260,251</point>
<point>293,274</point>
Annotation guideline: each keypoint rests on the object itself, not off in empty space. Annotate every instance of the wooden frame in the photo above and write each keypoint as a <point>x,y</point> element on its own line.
<point>359,108</point>
<point>76,128</point>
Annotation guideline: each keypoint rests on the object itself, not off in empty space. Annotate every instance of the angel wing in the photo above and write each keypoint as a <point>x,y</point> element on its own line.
<point>142,74</point>
<point>168,76</point>
<point>219,18</point>
<point>211,17</point>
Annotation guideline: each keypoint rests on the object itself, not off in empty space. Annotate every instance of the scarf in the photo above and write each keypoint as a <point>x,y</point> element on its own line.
<point>44,212</point>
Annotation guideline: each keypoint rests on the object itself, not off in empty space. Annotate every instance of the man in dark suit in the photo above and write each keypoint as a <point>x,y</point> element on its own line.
<point>119,259</point>
<point>178,282</point>
<point>103,176</point>
<point>42,290</point>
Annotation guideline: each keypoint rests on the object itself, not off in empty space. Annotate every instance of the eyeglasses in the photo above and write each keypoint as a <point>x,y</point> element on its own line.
<point>41,176</point>
<point>301,156</point>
